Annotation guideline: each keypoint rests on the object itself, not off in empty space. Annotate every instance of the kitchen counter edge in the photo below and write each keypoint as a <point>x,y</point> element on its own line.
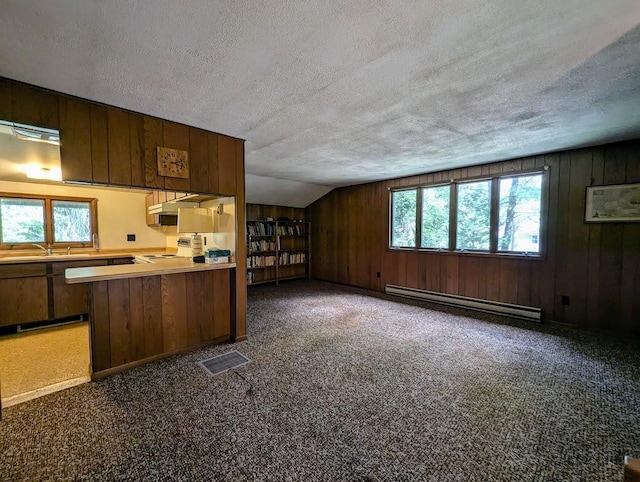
<point>56,258</point>
<point>122,271</point>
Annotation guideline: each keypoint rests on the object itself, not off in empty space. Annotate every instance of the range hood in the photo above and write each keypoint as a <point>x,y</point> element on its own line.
<point>171,208</point>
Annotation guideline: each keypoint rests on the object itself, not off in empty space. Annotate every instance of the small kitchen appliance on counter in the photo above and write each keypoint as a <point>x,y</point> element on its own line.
<point>195,220</point>
<point>184,247</point>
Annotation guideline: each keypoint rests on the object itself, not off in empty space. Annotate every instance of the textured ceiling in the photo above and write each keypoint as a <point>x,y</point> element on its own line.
<point>339,93</point>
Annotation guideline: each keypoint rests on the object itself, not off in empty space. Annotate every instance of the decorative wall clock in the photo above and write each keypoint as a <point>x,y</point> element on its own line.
<point>173,163</point>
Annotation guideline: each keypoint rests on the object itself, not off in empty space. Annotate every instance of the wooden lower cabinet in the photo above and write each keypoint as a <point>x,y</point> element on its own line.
<point>33,292</point>
<point>23,300</point>
<point>135,320</point>
<point>70,300</point>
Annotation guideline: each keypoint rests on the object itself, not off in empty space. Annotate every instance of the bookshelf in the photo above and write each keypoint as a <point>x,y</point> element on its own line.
<point>277,251</point>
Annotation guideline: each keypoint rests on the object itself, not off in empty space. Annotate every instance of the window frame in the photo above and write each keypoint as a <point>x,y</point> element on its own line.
<point>494,215</point>
<point>418,221</point>
<point>48,220</point>
<point>420,217</point>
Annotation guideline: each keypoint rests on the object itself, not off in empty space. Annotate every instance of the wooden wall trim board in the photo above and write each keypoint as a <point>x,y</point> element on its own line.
<point>596,265</point>
<point>239,275</point>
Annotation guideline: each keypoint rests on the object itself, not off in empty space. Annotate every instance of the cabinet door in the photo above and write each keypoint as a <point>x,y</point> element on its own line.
<point>5,100</point>
<point>75,134</point>
<point>99,144</point>
<point>152,128</point>
<point>199,160</point>
<point>23,300</point>
<point>227,165</point>
<point>176,136</point>
<point>34,106</point>
<point>70,299</point>
<point>119,147</point>
<point>136,149</point>
<point>23,293</point>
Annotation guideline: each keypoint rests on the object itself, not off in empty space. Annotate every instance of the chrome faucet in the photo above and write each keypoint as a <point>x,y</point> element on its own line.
<point>48,250</point>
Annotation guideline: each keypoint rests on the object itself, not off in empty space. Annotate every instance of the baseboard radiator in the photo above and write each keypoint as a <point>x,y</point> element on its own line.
<point>496,307</point>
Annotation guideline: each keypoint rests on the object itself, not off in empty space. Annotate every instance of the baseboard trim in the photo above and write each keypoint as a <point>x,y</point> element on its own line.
<point>39,392</point>
<point>530,313</point>
<point>160,356</point>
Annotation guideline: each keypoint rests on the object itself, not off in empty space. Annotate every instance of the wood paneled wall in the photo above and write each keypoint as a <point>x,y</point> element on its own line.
<point>596,265</point>
<point>263,211</point>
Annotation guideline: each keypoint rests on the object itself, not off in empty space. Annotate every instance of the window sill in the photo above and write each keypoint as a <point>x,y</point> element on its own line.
<point>479,254</point>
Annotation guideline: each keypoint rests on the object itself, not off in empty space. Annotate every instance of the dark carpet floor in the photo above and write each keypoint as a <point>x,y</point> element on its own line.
<point>349,386</point>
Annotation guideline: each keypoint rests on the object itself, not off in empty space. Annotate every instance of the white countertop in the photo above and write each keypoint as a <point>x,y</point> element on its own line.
<point>61,257</point>
<point>121,271</point>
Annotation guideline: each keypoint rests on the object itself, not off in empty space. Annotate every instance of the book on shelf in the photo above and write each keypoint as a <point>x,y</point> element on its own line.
<point>292,258</point>
<point>257,228</point>
<point>262,245</point>
<point>260,261</point>
<point>290,230</point>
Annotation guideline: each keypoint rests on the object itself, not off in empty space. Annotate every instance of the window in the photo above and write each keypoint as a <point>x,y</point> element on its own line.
<point>519,207</point>
<point>22,220</point>
<point>502,214</point>
<point>474,216</point>
<point>435,217</point>
<point>27,219</point>
<point>403,228</point>
<point>71,221</point>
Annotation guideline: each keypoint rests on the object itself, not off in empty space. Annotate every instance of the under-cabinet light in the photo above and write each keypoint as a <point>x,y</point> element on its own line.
<point>37,172</point>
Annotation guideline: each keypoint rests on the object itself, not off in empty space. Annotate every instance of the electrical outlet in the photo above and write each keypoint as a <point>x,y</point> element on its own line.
<point>378,274</point>
<point>131,237</point>
<point>566,300</point>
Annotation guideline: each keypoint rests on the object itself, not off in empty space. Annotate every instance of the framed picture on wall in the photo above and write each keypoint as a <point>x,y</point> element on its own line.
<point>616,203</point>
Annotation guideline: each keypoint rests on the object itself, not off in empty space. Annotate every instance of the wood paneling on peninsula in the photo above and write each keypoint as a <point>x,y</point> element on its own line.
<point>596,265</point>
<point>135,320</point>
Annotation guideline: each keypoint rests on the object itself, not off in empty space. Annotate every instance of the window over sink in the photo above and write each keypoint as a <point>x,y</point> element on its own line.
<point>50,220</point>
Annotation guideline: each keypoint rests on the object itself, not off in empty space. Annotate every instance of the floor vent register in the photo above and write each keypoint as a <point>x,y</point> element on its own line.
<point>222,363</point>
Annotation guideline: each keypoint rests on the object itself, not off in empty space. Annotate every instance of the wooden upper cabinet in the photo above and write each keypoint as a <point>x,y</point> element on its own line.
<point>199,160</point>
<point>6,112</point>
<point>119,147</point>
<point>176,136</point>
<point>136,149</point>
<point>106,145</point>
<point>34,106</point>
<point>152,138</point>
<point>99,145</point>
<point>227,165</point>
<point>212,151</point>
<point>75,137</point>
